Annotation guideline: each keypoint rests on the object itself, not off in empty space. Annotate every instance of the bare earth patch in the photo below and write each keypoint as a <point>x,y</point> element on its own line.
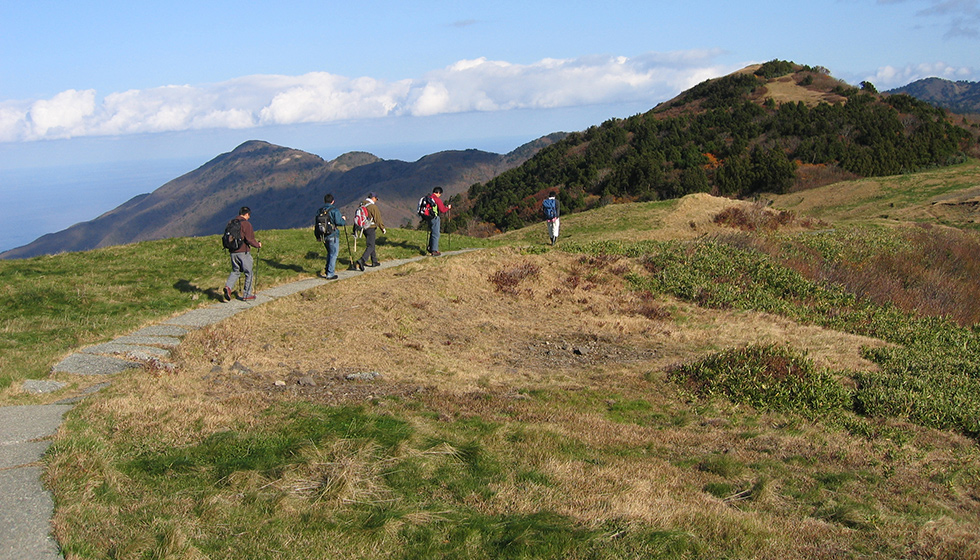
<point>444,323</point>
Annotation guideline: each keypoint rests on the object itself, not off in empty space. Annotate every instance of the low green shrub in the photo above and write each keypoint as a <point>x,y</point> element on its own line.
<point>767,377</point>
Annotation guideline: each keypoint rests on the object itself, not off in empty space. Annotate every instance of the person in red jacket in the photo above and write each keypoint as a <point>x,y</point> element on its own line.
<point>435,225</point>
<point>241,259</point>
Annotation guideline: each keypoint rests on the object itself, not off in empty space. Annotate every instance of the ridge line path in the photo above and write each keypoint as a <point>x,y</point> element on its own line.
<point>26,431</point>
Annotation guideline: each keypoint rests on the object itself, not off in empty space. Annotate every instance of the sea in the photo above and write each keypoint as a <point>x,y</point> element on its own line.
<point>42,200</point>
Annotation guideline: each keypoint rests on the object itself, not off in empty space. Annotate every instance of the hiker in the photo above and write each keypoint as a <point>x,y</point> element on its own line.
<point>333,220</point>
<point>369,226</point>
<point>429,209</point>
<point>241,258</point>
<point>550,209</point>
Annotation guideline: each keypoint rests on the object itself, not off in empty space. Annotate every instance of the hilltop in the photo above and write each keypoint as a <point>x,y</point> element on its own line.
<point>770,128</point>
<point>793,376</point>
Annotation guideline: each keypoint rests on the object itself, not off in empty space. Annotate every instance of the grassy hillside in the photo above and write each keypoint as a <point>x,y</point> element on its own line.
<point>697,378</point>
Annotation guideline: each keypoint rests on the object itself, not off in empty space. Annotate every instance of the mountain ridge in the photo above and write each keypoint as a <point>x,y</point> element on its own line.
<point>284,187</point>
<point>768,128</point>
<point>961,97</point>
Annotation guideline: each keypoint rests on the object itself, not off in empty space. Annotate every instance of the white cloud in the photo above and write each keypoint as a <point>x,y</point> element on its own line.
<point>890,77</point>
<point>63,115</point>
<point>263,100</point>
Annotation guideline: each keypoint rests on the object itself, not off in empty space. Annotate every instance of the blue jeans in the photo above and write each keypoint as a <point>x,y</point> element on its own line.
<point>434,231</point>
<point>332,243</point>
<point>241,263</point>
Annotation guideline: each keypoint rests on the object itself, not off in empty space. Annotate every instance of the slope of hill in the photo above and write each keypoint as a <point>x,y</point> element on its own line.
<point>958,97</point>
<point>670,392</point>
<point>775,127</point>
<point>284,187</point>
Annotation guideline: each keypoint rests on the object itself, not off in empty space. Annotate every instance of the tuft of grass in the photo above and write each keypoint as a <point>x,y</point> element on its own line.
<point>508,280</point>
<point>767,377</point>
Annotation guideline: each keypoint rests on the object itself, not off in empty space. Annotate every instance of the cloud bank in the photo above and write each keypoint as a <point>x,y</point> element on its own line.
<point>320,97</point>
<point>888,77</point>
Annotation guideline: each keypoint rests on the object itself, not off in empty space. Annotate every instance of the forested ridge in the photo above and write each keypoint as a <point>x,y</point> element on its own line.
<point>728,137</point>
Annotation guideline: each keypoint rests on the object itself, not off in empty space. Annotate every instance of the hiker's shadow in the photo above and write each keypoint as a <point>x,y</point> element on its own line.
<point>403,245</point>
<point>279,266</point>
<point>186,287</point>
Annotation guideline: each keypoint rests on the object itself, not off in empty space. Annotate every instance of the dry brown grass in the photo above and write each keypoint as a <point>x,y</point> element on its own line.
<point>944,196</point>
<point>533,357</point>
<point>447,322</point>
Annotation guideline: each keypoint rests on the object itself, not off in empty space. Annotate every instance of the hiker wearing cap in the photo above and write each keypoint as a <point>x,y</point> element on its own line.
<point>435,223</point>
<point>331,241</point>
<point>241,258</point>
<point>370,229</point>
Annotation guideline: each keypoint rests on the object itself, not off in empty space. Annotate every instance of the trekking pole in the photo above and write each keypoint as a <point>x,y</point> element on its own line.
<point>428,243</point>
<point>255,267</point>
<point>350,254</point>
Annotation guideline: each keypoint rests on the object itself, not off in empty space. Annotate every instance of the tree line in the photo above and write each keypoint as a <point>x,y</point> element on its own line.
<point>716,139</point>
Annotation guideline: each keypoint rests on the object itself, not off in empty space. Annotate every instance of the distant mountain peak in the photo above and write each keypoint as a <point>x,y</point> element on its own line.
<point>958,97</point>
<point>351,160</point>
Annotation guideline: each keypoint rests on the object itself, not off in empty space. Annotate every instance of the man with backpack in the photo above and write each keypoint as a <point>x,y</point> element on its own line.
<point>325,228</point>
<point>430,206</point>
<point>238,238</point>
<point>368,219</point>
<point>550,210</point>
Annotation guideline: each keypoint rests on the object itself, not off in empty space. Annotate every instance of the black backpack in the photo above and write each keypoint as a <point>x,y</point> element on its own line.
<point>427,208</point>
<point>231,239</point>
<point>323,226</point>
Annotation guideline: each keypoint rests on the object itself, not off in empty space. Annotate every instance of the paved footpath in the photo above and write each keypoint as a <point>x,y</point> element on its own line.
<point>25,431</point>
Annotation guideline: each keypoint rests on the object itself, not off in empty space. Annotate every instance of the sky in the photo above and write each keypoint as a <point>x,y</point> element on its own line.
<point>97,82</point>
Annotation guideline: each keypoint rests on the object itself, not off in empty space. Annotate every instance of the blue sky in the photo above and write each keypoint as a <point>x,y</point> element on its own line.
<point>110,80</point>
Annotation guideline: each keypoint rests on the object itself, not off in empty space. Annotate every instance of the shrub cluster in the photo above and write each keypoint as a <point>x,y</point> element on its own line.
<point>768,377</point>
<point>931,376</point>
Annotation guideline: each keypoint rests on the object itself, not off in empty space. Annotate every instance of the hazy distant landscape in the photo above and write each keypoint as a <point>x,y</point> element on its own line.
<point>43,200</point>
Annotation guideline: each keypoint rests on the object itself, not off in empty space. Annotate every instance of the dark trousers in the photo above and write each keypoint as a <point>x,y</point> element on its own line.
<point>370,235</point>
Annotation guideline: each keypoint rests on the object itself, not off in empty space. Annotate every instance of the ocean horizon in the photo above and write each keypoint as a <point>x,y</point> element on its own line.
<point>43,200</point>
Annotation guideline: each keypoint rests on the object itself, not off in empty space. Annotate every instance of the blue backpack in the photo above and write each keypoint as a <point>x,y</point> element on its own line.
<point>550,208</point>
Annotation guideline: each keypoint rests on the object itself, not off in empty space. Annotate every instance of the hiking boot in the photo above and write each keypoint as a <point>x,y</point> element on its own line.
<point>436,253</point>
<point>360,266</point>
<point>227,293</point>
<point>248,298</point>
<point>334,277</point>
<point>374,264</point>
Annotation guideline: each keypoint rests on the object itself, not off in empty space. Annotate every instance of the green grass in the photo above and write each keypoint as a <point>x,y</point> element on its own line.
<point>618,221</point>
<point>370,485</point>
<point>910,196</point>
<point>53,305</point>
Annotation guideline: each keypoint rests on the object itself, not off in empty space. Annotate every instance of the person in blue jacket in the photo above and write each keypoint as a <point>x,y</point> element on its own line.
<point>332,240</point>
